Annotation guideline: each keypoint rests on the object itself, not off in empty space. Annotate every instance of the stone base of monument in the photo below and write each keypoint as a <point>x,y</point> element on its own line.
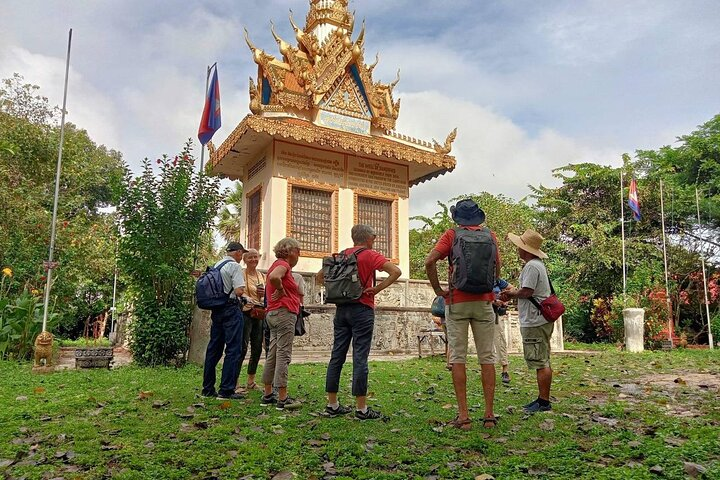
<point>396,333</point>
<point>634,320</point>
<point>93,357</point>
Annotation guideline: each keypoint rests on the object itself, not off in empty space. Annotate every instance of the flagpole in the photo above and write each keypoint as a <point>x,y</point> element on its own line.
<point>622,230</point>
<point>702,259</point>
<point>202,161</point>
<point>667,285</point>
<point>50,266</point>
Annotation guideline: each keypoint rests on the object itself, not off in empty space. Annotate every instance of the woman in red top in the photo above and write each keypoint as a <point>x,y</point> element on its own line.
<point>282,310</point>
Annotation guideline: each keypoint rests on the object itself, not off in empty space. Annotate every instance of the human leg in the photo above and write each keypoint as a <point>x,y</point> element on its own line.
<point>342,335</point>
<point>457,323</point>
<point>483,328</point>
<point>213,353</point>
<point>363,322</point>
<point>233,330</point>
<point>256,339</point>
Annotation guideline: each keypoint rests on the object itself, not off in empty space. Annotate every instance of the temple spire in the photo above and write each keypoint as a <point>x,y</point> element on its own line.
<point>325,16</point>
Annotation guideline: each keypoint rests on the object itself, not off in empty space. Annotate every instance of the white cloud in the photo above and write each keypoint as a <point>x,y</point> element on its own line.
<point>87,107</point>
<point>493,154</point>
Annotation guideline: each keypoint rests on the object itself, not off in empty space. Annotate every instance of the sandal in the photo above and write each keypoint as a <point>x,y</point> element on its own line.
<point>252,386</point>
<point>460,424</point>
<point>491,420</point>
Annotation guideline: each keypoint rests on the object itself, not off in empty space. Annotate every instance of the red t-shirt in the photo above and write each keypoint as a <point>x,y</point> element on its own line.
<point>444,247</point>
<point>368,262</point>
<point>291,299</point>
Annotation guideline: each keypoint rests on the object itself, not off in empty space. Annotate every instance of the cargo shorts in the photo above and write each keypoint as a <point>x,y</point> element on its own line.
<point>479,316</point>
<point>536,345</point>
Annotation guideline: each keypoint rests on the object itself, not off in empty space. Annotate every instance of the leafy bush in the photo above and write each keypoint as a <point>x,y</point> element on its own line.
<point>161,219</point>
<point>20,320</point>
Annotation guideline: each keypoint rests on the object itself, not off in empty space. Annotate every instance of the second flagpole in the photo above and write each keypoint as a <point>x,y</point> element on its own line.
<point>622,230</point>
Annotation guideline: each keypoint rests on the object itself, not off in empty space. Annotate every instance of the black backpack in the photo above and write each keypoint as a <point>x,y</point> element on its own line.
<point>342,280</point>
<point>209,288</point>
<point>474,258</point>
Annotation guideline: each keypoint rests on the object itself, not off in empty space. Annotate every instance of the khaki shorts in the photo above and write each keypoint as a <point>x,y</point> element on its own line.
<point>536,345</point>
<point>480,317</point>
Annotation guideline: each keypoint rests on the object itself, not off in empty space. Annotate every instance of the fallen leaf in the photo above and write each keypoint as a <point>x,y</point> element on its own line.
<point>547,425</point>
<point>21,398</point>
<point>284,475</point>
<point>225,405</point>
<point>144,395</point>
<point>448,406</point>
<point>485,476</point>
<point>657,470</point>
<point>160,403</point>
<point>325,436</point>
<point>329,468</point>
<point>39,390</point>
<point>203,425</point>
<point>680,381</point>
<point>315,443</point>
<point>693,469</point>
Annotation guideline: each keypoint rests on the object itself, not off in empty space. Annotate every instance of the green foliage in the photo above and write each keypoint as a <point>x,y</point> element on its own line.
<point>162,217</point>
<point>230,215</point>
<point>29,137</point>
<point>20,322</point>
<point>84,342</point>
<point>503,214</point>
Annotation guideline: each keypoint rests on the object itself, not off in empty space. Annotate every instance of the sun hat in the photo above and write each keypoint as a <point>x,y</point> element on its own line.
<point>467,212</point>
<point>529,241</point>
<point>234,247</point>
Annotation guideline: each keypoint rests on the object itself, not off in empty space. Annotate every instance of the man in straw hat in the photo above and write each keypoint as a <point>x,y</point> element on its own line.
<point>465,308</point>
<point>535,330</point>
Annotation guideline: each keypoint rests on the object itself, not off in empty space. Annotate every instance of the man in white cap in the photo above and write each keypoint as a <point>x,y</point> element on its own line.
<point>535,330</point>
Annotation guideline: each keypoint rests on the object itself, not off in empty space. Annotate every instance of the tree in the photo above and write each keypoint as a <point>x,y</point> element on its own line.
<point>161,218</point>
<point>229,222</point>
<point>29,137</point>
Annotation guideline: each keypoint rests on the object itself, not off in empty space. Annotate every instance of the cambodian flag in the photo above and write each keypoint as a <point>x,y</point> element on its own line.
<point>210,122</point>
<point>633,201</point>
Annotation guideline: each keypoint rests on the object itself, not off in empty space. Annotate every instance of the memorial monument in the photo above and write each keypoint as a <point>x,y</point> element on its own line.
<point>319,152</point>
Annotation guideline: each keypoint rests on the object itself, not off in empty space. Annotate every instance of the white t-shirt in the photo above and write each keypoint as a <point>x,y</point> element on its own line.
<point>232,275</point>
<point>300,281</point>
<point>533,275</point>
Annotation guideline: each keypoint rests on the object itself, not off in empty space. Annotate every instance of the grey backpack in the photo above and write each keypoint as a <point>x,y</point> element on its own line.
<point>342,280</point>
<point>474,258</point>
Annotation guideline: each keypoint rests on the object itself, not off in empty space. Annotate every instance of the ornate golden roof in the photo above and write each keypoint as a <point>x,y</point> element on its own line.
<point>424,154</point>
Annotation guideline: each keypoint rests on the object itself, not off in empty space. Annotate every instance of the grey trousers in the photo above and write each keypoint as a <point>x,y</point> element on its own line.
<point>282,333</point>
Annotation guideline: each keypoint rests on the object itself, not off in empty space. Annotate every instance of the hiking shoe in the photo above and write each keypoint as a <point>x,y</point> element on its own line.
<point>288,404</point>
<point>505,377</point>
<point>231,396</point>
<point>340,410</point>
<point>369,415</point>
<point>536,407</point>
<point>268,400</point>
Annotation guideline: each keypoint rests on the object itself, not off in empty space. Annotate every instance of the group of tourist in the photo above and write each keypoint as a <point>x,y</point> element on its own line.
<point>267,307</point>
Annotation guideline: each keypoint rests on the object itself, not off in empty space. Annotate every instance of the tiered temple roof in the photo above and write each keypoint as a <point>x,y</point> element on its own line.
<point>325,71</point>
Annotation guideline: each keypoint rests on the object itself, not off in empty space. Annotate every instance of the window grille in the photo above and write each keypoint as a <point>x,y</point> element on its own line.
<point>257,168</point>
<point>378,214</point>
<point>254,204</point>
<point>311,219</point>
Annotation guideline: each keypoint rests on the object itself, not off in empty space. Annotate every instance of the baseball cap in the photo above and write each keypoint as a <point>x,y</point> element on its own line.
<point>235,246</point>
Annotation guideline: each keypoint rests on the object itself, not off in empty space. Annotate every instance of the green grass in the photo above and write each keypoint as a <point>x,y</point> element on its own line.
<point>83,342</point>
<point>92,424</point>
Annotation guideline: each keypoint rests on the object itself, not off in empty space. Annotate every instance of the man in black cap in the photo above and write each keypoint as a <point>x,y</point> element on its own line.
<point>474,268</point>
<point>227,328</point>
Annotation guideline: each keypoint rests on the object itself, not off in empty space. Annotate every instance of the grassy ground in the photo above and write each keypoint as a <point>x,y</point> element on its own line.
<point>140,423</point>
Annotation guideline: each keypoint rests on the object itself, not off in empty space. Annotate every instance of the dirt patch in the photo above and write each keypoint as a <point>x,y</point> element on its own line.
<point>701,381</point>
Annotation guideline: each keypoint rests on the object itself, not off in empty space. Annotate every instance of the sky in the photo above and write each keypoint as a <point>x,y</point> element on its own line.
<point>531,86</point>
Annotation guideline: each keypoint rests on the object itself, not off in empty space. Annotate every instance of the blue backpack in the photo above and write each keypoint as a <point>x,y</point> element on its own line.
<point>209,288</point>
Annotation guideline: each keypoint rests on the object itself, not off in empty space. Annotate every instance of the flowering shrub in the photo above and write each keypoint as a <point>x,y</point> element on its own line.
<point>161,218</point>
<point>601,319</point>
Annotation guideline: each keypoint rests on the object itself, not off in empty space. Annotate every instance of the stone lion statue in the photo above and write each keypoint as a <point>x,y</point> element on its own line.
<point>43,349</point>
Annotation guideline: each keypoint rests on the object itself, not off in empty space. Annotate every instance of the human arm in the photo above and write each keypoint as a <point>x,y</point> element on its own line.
<point>275,279</point>
<point>431,272</point>
<point>524,292</point>
<point>393,272</point>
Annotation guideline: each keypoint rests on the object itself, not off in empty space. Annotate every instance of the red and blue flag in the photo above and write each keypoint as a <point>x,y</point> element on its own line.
<point>633,201</point>
<point>210,122</point>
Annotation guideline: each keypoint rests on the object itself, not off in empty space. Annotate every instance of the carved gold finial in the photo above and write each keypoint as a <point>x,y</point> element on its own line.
<point>361,38</point>
<point>397,80</point>
<point>254,98</point>
<point>445,149</point>
<point>285,49</point>
<point>211,148</point>
<point>372,67</point>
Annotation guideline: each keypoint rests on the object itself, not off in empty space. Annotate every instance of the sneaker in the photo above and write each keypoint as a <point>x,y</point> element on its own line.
<point>268,400</point>
<point>231,396</point>
<point>505,377</point>
<point>288,404</point>
<point>340,410</point>
<point>208,394</point>
<point>369,415</point>
<point>529,405</point>
<point>536,407</point>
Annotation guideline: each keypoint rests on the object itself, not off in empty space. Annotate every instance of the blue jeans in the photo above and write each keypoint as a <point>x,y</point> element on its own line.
<point>226,334</point>
<point>353,322</point>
